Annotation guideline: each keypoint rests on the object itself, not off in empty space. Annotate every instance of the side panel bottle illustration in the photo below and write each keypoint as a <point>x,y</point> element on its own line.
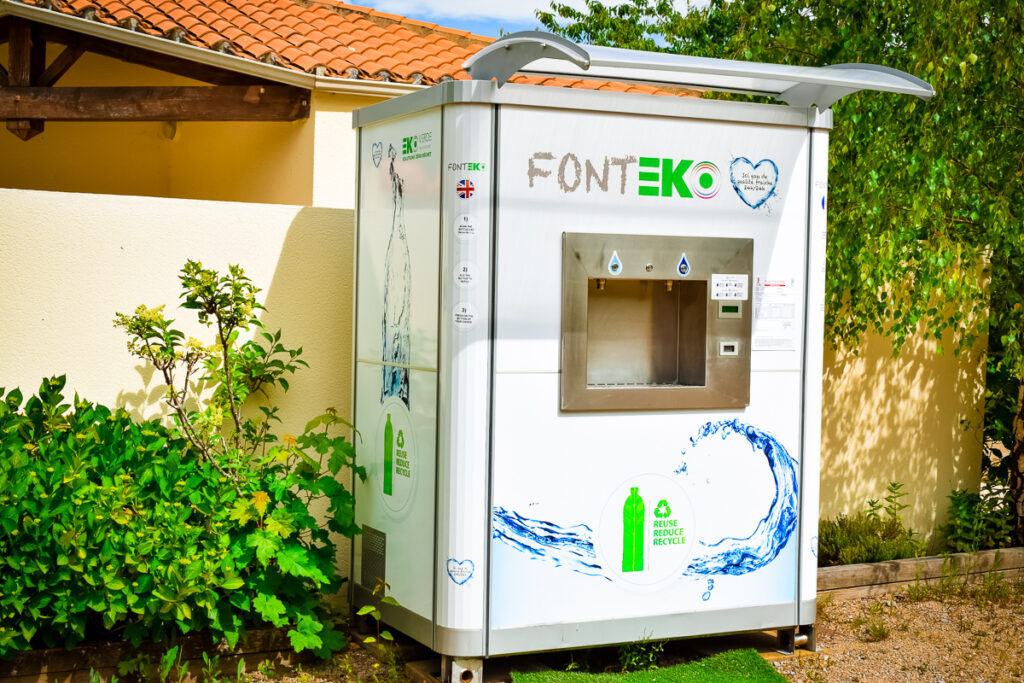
<point>633,518</point>
<point>389,456</point>
<point>397,282</point>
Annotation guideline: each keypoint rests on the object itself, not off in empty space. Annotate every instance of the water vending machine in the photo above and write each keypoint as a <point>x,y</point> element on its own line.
<point>588,350</point>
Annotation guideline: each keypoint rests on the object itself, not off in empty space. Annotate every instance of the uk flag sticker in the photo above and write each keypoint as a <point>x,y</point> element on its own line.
<point>465,189</point>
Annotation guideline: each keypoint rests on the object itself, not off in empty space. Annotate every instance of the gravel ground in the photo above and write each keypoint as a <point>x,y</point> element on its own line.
<point>958,638</point>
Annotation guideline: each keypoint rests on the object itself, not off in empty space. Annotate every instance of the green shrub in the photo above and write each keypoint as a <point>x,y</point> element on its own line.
<point>875,535</point>
<point>106,525</point>
<point>978,521</point>
<point>151,531</point>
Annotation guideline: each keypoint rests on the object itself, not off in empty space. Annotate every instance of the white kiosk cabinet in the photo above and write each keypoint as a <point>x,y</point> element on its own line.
<point>588,350</point>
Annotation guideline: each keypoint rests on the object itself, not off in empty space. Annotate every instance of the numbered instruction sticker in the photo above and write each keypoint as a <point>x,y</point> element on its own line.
<point>464,316</point>
<point>465,274</point>
<point>465,227</point>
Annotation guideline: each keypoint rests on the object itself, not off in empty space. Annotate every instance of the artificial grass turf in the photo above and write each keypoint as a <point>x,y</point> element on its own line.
<point>734,665</point>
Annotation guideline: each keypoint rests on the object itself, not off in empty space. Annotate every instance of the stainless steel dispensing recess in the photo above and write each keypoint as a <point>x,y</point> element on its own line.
<point>588,351</point>
<point>644,329</point>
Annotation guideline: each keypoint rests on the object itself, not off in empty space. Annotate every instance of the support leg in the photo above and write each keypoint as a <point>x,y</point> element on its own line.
<point>787,641</point>
<point>462,669</point>
<point>812,642</point>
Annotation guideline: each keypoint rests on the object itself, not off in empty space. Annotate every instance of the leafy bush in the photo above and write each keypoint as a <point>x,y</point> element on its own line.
<point>106,524</point>
<point>979,521</point>
<point>875,535</point>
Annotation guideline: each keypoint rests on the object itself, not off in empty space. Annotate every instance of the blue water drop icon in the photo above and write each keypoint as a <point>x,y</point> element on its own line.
<point>684,266</point>
<point>615,265</point>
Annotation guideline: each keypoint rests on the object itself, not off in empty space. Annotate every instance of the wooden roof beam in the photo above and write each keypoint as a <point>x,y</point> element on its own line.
<point>201,103</point>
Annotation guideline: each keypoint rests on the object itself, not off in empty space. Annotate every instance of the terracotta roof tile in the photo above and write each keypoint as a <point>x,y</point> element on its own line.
<point>345,40</point>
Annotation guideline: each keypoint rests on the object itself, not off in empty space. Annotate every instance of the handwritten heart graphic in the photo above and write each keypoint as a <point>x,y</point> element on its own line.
<point>460,572</point>
<point>377,152</point>
<point>754,183</point>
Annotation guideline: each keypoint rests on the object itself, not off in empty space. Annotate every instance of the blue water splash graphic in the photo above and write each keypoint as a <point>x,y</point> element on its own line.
<point>573,546</point>
<point>736,556</point>
<point>397,282</point>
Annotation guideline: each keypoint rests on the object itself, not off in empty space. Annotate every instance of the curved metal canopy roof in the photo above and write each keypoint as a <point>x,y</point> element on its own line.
<point>540,53</point>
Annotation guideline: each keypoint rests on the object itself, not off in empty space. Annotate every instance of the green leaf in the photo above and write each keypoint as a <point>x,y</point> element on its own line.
<point>232,584</point>
<point>304,635</point>
<point>294,560</point>
<point>280,523</point>
<point>270,608</point>
<point>266,545</point>
<point>365,609</point>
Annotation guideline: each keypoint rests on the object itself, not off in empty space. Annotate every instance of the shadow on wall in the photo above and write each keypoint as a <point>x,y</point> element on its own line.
<point>914,419</point>
<point>310,298</point>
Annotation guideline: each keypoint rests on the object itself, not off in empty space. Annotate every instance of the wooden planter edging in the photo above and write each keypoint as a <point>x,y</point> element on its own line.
<point>72,666</point>
<point>882,578</point>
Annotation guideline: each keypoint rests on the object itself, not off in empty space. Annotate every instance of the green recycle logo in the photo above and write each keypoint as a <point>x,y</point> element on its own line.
<point>663,510</point>
<point>401,439</point>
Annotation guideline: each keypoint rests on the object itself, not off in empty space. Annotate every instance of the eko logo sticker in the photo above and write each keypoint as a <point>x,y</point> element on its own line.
<point>677,177</point>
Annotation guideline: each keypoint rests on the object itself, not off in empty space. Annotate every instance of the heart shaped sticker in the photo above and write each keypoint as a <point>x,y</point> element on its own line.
<point>377,152</point>
<point>754,183</point>
<point>460,572</point>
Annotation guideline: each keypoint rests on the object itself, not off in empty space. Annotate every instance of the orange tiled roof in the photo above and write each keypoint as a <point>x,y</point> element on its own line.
<point>322,37</point>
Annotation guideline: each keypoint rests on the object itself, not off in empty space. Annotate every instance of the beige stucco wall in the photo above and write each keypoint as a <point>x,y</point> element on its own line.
<point>915,419</point>
<point>71,261</point>
<point>307,162</point>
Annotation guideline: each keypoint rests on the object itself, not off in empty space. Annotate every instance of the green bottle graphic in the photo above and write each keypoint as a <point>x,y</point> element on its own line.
<point>389,455</point>
<point>633,532</point>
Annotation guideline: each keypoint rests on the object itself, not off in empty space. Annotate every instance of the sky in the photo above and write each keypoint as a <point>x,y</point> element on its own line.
<point>483,17</point>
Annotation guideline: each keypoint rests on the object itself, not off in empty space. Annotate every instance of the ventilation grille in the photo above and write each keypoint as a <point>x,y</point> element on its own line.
<point>374,555</point>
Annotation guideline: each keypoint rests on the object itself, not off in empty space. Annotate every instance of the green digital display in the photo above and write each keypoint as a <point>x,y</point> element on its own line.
<point>730,308</point>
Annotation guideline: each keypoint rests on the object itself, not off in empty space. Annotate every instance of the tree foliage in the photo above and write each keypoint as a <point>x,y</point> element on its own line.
<point>926,198</point>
